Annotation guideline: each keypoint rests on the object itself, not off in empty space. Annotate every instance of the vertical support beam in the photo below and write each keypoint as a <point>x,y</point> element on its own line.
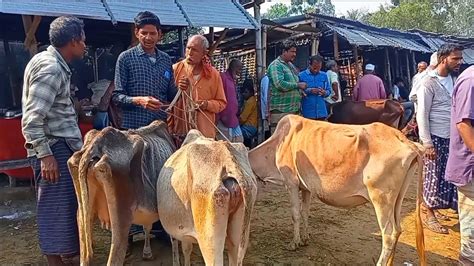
<point>387,66</point>
<point>335,40</point>
<point>397,64</point>
<point>314,39</point>
<point>12,74</point>
<point>413,62</point>
<point>181,41</point>
<point>259,62</point>
<point>258,42</point>
<point>407,61</point>
<point>355,52</point>
<point>211,35</point>
<point>30,26</point>
<point>264,48</point>
<point>133,37</point>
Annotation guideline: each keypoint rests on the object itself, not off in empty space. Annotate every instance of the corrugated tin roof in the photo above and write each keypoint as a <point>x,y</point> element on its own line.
<point>222,13</point>
<point>167,10</point>
<point>93,9</point>
<point>359,34</point>
<point>468,55</point>
<point>217,13</point>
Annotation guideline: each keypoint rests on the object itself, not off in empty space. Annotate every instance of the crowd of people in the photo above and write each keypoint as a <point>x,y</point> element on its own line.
<point>193,94</point>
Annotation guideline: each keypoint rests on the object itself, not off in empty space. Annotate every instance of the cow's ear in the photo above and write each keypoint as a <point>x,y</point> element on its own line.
<point>137,156</point>
<point>90,136</point>
<point>193,135</point>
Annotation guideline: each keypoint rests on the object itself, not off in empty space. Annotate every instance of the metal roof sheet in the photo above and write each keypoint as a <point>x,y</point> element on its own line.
<point>167,10</point>
<point>373,38</point>
<point>220,13</point>
<point>93,9</point>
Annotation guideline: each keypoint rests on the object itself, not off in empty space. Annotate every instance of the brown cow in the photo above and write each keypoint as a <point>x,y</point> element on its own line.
<point>115,177</point>
<point>344,166</point>
<point>388,112</point>
<point>206,192</point>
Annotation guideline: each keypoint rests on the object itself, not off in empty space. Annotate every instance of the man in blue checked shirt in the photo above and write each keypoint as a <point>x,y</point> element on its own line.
<point>143,83</point>
<point>143,76</point>
<point>313,105</point>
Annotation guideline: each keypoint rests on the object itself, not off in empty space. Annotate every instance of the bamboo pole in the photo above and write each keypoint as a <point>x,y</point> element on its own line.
<point>387,65</point>
<point>356,60</point>
<point>407,60</point>
<point>336,45</point>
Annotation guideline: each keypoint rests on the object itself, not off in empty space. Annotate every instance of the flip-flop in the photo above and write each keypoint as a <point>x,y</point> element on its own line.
<point>441,216</point>
<point>433,225</point>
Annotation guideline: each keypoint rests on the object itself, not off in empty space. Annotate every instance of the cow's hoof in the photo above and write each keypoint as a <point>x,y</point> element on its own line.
<point>293,245</point>
<point>147,256</point>
<point>304,240</point>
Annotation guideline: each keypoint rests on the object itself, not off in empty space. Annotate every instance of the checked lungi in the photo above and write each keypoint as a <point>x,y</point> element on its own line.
<point>437,192</point>
<point>57,207</point>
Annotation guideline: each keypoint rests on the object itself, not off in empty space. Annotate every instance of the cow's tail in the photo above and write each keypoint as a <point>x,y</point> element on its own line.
<point>420,238</point>
<point>84,210</point>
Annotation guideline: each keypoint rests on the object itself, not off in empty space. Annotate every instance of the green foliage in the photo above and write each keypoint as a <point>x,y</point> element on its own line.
<point>172,36</point>
<point>357,14</point>
<point>278,10</point>
<point>299,7</point>
<point>452,17</point>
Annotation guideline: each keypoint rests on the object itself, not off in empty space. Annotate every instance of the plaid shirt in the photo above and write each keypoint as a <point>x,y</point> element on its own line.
<point>285,96</point>
<point>140,74</point>
<point>48,111</point>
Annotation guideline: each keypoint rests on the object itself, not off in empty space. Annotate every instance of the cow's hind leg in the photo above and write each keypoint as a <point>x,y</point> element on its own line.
<point>147,253</point>
<point>384,204</point>
<point>305,206</point>
<point>175,250</point>
<point>234,237</point>
<point>187,245</point>
<point>293,189</point>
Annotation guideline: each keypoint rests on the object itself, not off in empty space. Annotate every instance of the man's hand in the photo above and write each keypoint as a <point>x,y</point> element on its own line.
<point>315,91</point>
<point>335,97</point>
<point>183,83</point>
<point>202,105</point>
<point>147,102</point>
<point>49,169</point>
<point>302,85</point>
<point>430,153</point>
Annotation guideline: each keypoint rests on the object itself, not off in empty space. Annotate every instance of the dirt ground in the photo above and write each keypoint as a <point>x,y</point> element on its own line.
<point>338,236</point>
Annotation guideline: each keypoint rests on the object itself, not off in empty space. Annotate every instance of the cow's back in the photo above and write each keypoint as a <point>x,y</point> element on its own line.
<point>345,158</point>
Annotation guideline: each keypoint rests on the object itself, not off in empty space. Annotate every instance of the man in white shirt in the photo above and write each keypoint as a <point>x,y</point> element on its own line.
<point>333,77</point>
<point>434,115</point>
<point>419,76</point>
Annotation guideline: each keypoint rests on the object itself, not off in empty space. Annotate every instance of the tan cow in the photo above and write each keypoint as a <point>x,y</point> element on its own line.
<point>115,177</point>
<point>206,193</point>
<point>344,166</point>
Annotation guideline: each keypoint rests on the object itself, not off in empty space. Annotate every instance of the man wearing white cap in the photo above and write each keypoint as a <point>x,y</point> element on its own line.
<point>369,87</point>
<point>419,76</point>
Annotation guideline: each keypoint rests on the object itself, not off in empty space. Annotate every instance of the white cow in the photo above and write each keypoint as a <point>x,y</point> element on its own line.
<point>206,192</point>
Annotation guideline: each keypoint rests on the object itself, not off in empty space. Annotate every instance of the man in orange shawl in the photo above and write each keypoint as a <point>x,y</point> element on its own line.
<point>202,92</point>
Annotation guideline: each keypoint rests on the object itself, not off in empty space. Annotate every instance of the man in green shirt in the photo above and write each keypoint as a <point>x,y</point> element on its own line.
<point>285,90</point>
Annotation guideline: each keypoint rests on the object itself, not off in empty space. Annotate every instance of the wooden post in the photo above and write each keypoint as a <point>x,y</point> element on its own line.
<point>387,66</point>
<point>413,62</point>
<point>30,26</point>
<point>397,64</point>
<point>314,39</point>
<point>217,42</point>
<point>407,61</point>
<point>336,45</point>
<point>356,60</point>
<point>12,74</point>
<point>211,35</point>
<point>259,61</point>
<point>133,40</point>
<point>181,41</point>
<point>264,48</point>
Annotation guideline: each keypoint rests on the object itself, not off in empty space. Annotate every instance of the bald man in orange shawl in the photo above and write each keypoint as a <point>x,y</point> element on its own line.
<point>202,94</point>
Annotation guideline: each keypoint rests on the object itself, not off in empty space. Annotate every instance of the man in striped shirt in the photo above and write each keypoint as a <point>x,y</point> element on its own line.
<point>285,90</point>
<point>52,134</point>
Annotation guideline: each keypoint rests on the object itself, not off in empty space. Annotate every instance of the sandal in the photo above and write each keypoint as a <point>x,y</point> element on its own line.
<point>441,216</point>
<point>433,225</point>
